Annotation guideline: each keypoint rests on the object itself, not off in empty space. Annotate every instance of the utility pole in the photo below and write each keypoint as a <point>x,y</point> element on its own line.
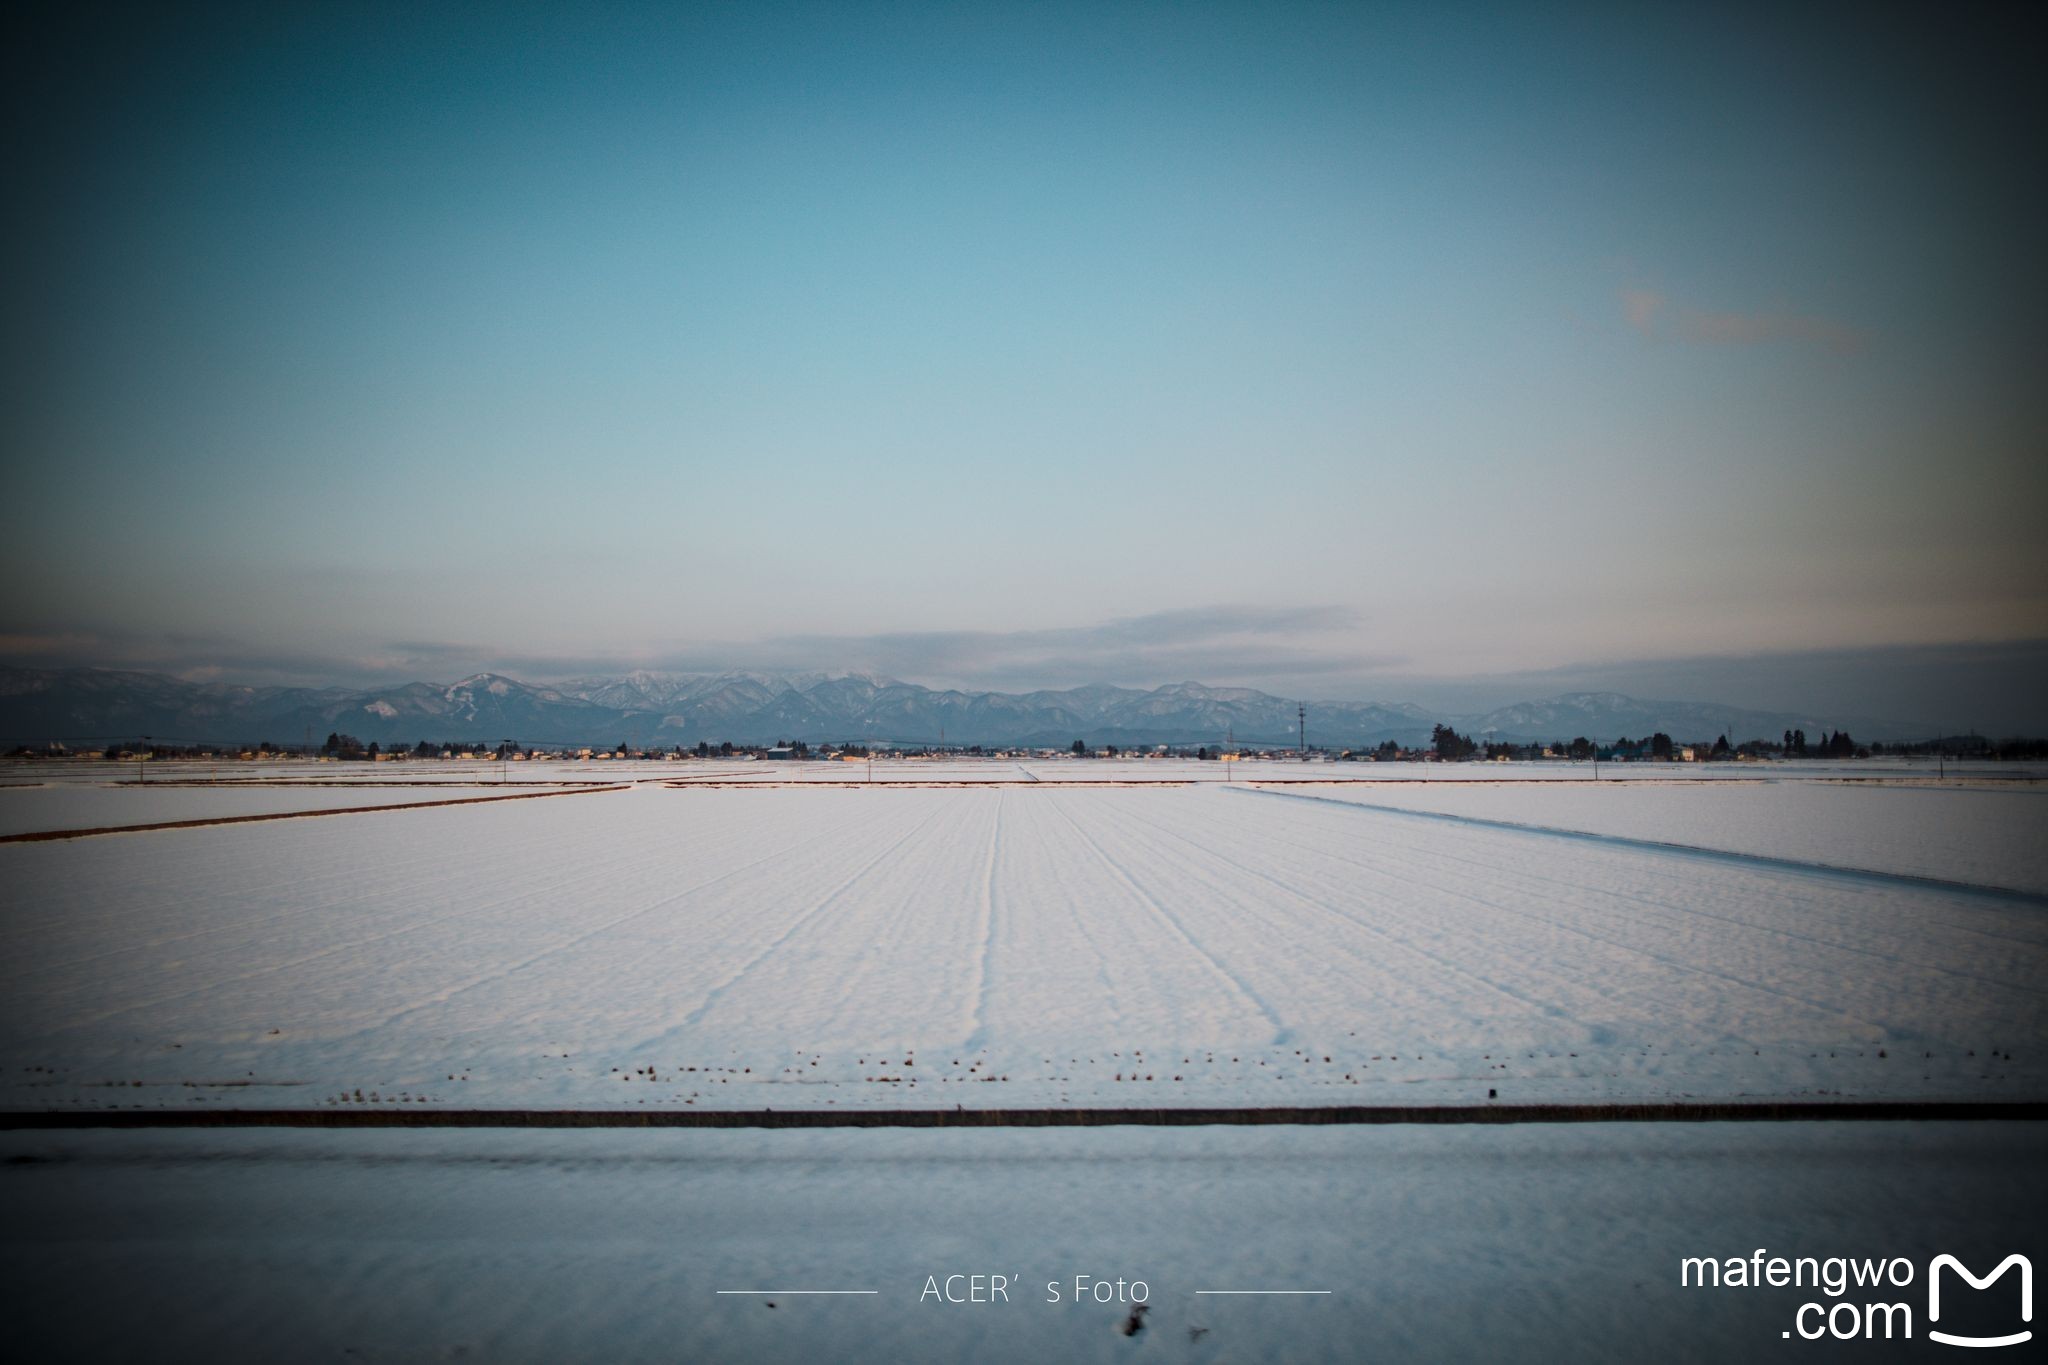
<point>1301,715</point>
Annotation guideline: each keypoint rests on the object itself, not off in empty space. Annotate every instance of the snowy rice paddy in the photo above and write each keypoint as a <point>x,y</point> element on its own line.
<point>1026,941</point>
<point>1989,835</point>
<point>94,806</point>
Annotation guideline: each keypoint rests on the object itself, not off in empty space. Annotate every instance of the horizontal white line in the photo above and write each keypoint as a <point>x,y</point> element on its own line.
<point>1262,1291</point>
<point>792,1293</point>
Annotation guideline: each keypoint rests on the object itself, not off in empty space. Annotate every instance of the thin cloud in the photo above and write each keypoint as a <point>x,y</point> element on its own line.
<point>1993,687</point>
<point>1640,307</point>
<point>1750,329</point>
<point>1220,643</point>
<point>1314,652</point>
<point>31,645</point>
<point>1654,315</point>
<point>1225,644</point>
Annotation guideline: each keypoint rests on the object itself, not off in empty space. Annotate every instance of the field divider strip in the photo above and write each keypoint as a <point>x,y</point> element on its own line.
<point>47,835</point>
<point>1784,1111</point>
<point>323,784</point>
<point>1665,846</point>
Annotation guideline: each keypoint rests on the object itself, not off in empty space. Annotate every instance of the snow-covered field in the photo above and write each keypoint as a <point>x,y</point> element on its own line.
<point>89,806</point>
<point>1980,834</point>
<point>791,946</point>
<point>1457,1244</point>
<point>1053,934</point>
<point>20,774</point>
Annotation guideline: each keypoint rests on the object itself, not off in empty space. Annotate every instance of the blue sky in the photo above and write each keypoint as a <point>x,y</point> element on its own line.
<point>1370,347</point>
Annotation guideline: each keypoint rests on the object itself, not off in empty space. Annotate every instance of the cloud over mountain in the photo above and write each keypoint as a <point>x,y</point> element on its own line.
<point>648,707</point>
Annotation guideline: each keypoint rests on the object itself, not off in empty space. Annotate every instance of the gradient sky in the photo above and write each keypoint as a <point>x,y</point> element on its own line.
<point>1341,349</point>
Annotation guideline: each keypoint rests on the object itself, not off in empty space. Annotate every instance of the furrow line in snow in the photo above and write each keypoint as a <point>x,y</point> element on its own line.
<point>489,978</point>
<point>433,856</point>
<point>1662,846</point>
<point>1492,870</point>
<point>49,835</point>
<point>723,988</point>
<point>525,894</point>
<point>1674,964</point>
<point>1173,922</point>
<point>1433,959</point>
<point>1684,913</point>
<point>977,1023</point>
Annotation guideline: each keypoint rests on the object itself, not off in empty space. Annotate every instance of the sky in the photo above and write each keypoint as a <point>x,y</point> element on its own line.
<point>1394,351</point>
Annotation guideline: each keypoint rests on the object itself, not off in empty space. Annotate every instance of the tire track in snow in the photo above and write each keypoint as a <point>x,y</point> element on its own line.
<point>132,947</point>
<point>977,1022</point>
<point>1677,914</point>
<point>1237,984</point>
<point>1683,917</point>
<point>1672,849</point>
<point>1438,960</point>
<point>1095,953</point>
<point>491,978</point>
<point>217,984</point>
<point>427,855</point>
<point>724,988</point>
<point>1677,965</point>
<point>168,862</point>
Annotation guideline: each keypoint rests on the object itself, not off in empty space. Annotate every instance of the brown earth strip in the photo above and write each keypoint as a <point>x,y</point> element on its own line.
<point>42,836</point>
<point>1704,1112</point>
<point>911,784</point>
<point>321,784</point>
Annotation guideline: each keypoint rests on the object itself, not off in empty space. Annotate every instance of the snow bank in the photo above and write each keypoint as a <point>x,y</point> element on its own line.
<point>1469,1244</point>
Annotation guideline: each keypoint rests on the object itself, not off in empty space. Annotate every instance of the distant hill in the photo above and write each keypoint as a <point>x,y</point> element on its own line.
<point>91,705</point>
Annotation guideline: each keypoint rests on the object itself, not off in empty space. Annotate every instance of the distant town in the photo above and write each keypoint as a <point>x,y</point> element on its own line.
<point>1447,746</point>
<point>794,717</point>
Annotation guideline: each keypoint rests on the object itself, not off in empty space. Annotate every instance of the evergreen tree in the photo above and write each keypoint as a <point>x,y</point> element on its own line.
<point>1448,743</point>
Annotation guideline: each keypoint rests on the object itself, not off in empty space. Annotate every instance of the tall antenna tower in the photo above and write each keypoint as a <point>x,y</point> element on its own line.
<point>1301,715</point>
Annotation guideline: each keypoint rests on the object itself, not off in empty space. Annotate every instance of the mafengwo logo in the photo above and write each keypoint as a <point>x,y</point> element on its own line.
<point>1849,1318</point>
<point>1946,1261</point>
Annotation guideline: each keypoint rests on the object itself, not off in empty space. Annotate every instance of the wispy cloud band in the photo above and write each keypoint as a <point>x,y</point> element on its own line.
<point>1654,314</point>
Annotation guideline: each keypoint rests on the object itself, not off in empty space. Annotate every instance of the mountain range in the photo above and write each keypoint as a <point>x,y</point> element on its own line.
<point>87,706</point>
